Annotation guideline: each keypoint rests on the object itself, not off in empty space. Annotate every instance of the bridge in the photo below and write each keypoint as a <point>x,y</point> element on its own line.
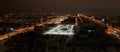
<point>112,31</point>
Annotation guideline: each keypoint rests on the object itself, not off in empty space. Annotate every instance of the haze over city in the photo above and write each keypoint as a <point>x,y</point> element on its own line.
<point>101,7</point>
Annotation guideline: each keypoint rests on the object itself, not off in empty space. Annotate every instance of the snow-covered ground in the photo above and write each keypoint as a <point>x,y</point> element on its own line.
<point>61,30</point>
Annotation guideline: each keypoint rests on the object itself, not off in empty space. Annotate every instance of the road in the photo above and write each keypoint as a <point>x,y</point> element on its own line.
<point>112,31</point>
<point>31,28</point>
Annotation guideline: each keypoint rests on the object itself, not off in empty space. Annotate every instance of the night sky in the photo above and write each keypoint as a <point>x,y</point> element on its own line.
<point>94,6</point>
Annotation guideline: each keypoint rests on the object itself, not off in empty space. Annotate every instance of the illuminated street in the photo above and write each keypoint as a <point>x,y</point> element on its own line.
<point>67,31</point>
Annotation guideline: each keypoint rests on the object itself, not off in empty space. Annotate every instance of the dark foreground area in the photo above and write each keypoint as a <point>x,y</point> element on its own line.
<point>36,42</point>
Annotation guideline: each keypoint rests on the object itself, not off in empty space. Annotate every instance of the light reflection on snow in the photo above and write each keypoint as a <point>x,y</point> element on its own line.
<point>61,30</point>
